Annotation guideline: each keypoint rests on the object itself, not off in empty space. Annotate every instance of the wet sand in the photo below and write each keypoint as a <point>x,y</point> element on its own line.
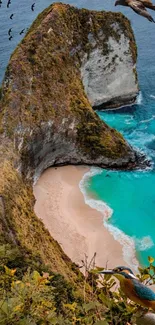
<point>77,227</point>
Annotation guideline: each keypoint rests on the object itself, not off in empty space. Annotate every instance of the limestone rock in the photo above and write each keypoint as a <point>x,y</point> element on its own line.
<point>110,78</point>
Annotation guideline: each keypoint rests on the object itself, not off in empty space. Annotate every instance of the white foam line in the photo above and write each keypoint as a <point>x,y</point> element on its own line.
<point>139,98</point>
<point>150,119</point>
<point>128,243</point>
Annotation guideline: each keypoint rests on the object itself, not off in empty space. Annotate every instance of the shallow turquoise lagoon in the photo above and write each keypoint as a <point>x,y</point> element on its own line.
<point>131,195</point>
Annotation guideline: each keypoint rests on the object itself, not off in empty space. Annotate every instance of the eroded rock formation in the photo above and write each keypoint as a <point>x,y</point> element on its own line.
<point>46,118</point>
<point>108,71</point>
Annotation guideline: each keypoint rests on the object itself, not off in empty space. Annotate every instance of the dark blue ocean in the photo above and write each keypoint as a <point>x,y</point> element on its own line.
<point>128,196</point>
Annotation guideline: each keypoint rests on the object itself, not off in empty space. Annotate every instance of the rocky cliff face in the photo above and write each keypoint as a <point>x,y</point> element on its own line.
<point>46,117</point>
<point>109,75</point>
<point>46,111</point>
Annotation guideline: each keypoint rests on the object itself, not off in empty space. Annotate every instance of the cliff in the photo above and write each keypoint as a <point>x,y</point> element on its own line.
<point>46,117</point>
<point>108,70</point>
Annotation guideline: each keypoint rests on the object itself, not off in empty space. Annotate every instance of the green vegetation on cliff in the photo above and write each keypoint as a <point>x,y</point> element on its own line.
<point>43,80</point>
<point>45,120</point>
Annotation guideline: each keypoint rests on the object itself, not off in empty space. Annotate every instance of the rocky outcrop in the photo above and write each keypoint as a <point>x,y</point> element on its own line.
<point>109,77</point>
<point>46,118</point>
<point>46,112</point>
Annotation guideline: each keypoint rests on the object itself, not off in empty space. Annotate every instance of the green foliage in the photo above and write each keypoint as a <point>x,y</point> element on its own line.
<point>27,301</point>
<point>32,300</point>
<point>45,299</point>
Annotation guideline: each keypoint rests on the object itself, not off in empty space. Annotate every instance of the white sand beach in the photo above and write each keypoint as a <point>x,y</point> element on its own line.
<point>76,226</point>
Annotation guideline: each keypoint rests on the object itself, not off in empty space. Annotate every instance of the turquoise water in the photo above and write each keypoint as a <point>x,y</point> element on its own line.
<point>131,195</point>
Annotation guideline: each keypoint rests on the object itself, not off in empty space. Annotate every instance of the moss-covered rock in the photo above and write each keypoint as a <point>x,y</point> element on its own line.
<point>45,110</point>
<point>46,119</point>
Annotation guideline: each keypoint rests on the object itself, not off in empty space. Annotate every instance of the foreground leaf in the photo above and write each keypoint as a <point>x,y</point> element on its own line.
<point>150,259</point>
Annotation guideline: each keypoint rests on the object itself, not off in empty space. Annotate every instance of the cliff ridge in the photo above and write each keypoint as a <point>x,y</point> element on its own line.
<point>46,119</point>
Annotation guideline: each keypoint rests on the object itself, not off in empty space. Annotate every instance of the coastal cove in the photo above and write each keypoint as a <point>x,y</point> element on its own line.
<point>125,205</point>
<point>77,227</point>
<point>47,121</point>
<point>77,164</point>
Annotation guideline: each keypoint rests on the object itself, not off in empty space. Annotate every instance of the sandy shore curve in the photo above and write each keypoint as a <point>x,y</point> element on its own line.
<point>75,225</point>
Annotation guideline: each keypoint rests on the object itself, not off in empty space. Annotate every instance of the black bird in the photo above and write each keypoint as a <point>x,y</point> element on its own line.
<point>10,38</point>
<point>11,16</point>
<point>0,3</point>
<point>22,31</point>
<point>32,7</point>
<point>9,3</point>
<point>9,31</point>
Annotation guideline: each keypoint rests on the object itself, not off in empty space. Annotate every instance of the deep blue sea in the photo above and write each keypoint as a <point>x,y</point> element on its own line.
<point>130,196</point>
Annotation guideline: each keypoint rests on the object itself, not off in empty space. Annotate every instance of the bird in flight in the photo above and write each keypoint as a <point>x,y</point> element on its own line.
<point>139,6</point>
<point>9,31</point>
<point>32,7</point>
<point>9,3</point>
<point>22,31</point>
<point>11,16</point>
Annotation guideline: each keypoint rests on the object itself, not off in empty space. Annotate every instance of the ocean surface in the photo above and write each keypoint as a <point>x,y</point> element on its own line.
<point>128,196</point>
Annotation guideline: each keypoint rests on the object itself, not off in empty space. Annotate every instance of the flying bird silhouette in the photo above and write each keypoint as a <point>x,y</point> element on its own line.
<point>9,3</point>
<point>11,16</point>
<point>32,7</point>
<point>9,31</point>
<point>138,6</point>
<point>22,31</point>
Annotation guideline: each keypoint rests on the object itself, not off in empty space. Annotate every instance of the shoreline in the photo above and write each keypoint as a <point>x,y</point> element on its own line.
<point>76,226</point>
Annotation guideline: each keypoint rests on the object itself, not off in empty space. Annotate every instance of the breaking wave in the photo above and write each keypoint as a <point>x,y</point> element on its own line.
<point>144,243</point>
<point>93,203</point>
<point>128,243</point>
<point>139,98</point>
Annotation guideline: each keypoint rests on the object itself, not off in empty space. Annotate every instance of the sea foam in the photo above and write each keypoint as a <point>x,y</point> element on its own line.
<point>139,98</point>
<point>93,203</point>
<point>148,120</point>
<point>144,243</point>
<point>128,243</point>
